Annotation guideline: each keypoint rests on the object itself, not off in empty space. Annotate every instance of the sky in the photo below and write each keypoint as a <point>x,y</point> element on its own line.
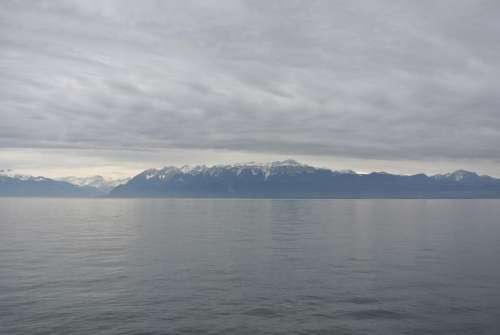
<point>114,87</point>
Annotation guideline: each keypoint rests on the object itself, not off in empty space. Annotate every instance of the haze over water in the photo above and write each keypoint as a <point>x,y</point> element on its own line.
<point>212,266</point>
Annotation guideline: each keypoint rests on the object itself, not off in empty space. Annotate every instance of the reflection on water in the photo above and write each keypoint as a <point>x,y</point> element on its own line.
<point>179,266</point>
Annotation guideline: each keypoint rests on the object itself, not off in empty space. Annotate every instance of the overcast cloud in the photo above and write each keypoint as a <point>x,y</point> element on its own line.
<point>117,82</point>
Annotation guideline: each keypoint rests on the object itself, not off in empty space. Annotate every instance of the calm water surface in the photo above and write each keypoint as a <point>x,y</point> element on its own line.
<point>103,266</point>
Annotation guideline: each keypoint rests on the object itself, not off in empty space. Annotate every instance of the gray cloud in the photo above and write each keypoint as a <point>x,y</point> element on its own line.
<point>387,80</point>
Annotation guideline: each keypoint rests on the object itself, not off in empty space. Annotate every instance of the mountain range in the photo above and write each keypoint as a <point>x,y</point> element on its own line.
<point>290,179</point>
<point>282,179</point>
<point>15,185</point>
<point>98,182</point>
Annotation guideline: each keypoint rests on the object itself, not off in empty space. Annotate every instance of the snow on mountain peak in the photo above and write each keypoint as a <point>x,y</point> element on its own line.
<point>7,173</point>
<point>11,174</point>
<point>253,168</point>
<point>458,175</point>
<point>287,162</point>
<point>98,182</point>
<point>285,167</point>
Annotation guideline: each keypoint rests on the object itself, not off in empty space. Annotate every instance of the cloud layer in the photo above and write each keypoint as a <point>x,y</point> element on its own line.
<point>386,80</point>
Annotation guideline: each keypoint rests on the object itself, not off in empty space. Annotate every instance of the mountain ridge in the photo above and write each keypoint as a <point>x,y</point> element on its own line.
<point>16,185</point>
<point>280,179</point>
<point>290,179</point>
<point>99,182</point>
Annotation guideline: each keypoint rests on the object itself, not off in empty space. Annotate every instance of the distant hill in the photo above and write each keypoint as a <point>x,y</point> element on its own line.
<point>290,179</point>
<point>102,184</point>
<point>12,185</point>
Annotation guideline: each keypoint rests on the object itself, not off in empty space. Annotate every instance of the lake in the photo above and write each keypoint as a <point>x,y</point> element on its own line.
<point>235,266</point>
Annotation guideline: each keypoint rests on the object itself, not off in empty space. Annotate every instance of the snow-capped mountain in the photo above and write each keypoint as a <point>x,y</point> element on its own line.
<point>291,179</point>
<point>286,179</point>
<point>8,173</point>
<point>99,182</point>
<point>13,184</point>
<point>463,176</point>
<point>265,170</point>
